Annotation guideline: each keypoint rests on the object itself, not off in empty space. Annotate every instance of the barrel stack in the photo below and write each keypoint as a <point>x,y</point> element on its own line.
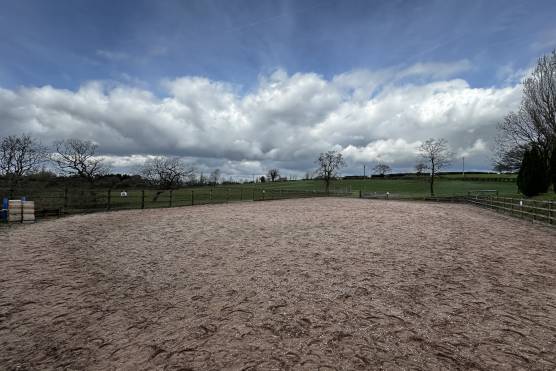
<point>20,211</point>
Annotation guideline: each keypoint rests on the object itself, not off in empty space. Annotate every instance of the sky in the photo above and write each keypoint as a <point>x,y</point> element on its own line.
<point>245,86</point>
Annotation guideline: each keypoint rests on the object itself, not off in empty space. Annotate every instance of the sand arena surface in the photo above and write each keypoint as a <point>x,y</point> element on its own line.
<point>295,284</point>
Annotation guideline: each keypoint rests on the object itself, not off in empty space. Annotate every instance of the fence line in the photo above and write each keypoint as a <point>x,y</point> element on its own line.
<point>72,201</point>
<point>543,211</point>
<point>68,201</point>
<point>535,210</point>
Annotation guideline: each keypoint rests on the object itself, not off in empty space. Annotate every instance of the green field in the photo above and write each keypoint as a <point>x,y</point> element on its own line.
<point>411,187</point>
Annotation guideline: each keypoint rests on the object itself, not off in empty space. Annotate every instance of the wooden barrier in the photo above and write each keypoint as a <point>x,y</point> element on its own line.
<point>542,211</point>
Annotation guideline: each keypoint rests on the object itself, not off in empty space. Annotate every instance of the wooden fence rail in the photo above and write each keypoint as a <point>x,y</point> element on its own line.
<point>71,201</point>
<point>543,211</point>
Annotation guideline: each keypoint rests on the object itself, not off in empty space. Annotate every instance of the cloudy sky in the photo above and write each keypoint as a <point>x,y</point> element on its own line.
<point>248,85</point>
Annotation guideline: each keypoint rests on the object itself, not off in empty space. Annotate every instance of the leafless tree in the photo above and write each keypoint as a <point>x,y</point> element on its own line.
<point>78,157</point>
<point>329,163</point>
<point>308,175</point>
<point>214,177</point>
<point>420,168</point>
<point>382,169</point>
<point>436,154</point>
<point>202,179</point>
<point>273,174</point>
<point>21,155</point>
<point>534,123</point>
<point>509,159</point>
<point>166,172</point>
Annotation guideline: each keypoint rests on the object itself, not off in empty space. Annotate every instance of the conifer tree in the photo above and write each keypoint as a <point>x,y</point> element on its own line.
<point>533,174</point>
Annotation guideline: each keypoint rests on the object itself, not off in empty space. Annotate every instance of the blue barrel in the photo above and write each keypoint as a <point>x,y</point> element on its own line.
<point>4,215</point>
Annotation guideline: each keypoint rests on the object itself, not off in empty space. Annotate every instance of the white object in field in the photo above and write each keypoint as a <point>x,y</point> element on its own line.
<point>520,202</point>
<point>123,194</point>
<point>21,211</point>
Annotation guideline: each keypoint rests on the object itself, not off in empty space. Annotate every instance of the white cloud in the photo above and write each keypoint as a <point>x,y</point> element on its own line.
<point>511,76</point>
<point>436,70</point>
<point>388,151</point>
<point>478,148</point>
<point>285,121</point>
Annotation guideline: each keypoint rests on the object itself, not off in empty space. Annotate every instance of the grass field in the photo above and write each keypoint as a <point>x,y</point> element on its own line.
<point>412,187</point>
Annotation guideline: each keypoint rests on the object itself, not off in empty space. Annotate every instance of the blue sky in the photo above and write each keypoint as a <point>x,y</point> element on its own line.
<point>240,45</point>
<point>64,43</point>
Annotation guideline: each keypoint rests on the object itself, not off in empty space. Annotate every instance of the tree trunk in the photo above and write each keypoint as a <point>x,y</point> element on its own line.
<point>433,170</point>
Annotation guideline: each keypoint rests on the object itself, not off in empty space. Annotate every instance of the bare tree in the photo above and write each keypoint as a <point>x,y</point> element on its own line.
<point>329,163</point>
<point>535,121</point>
<point>510,158</point>
<point>382,169</point>
<point>202,179</point>
<point>420,168</point>
<point>78,157</point>
<point>273,174</point>
<point>166,172</point>
<point>21,155</point>
<point>436,154</point>
<point>308,176</point>
<point>214,177</point>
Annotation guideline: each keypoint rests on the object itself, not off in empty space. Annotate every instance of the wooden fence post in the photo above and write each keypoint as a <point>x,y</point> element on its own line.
<point>65,197</point>
<point>192,198</point>
<point>511,206</point>
<point>210,195</point>
<point>108,197</point>
<point>241,194</point>
<point>228,195</point>
<point>142,199</point>
<point>170,203</point>
<point>549,212</point>
<point>253,194</point>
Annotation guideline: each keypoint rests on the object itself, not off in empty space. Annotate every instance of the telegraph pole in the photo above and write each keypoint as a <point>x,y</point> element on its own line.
<point>463,166</point>
<point>364,171</point>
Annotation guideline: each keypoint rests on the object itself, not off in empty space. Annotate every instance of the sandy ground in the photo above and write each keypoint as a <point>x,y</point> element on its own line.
<point>296,284</point>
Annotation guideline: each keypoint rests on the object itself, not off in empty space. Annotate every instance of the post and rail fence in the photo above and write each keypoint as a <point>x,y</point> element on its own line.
<point>534,210</point>
<point>73,201</point>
